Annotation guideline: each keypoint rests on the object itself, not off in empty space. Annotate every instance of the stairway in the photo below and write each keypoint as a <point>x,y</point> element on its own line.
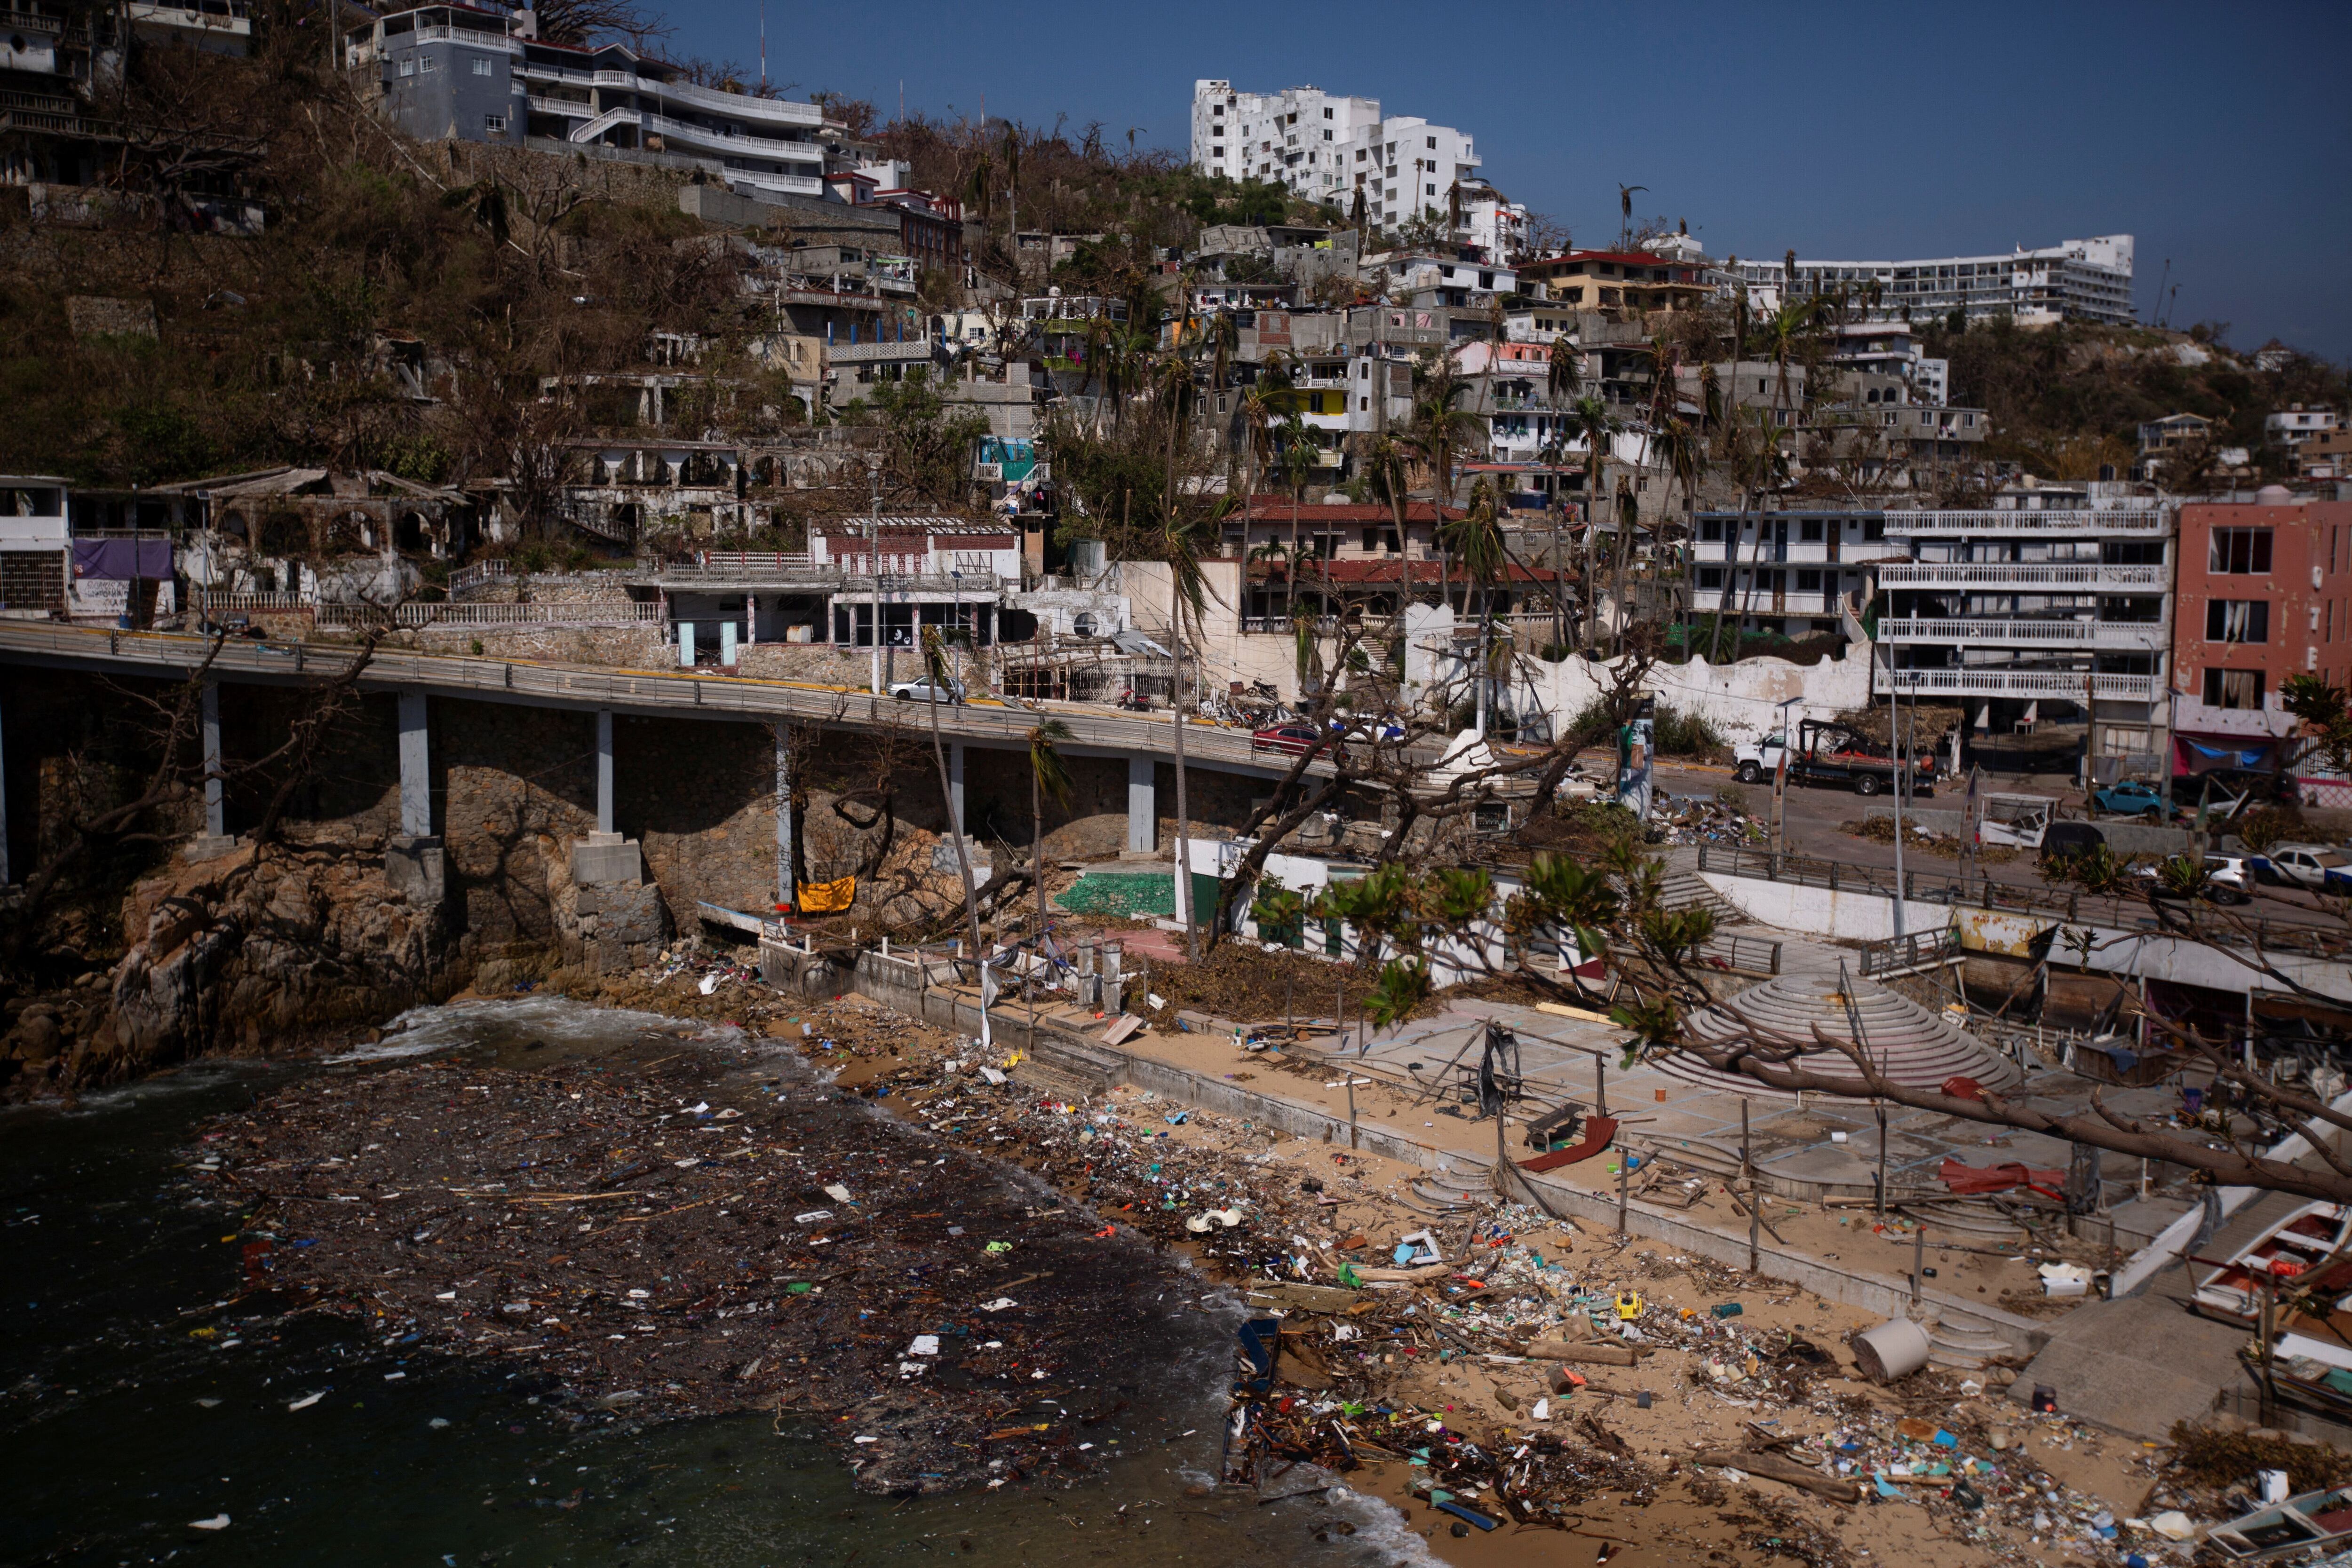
<point>1962,1340</point>
<point>1683,888</point>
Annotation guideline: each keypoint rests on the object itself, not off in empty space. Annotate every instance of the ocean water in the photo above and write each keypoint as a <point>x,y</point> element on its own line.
<point>122,1429</point>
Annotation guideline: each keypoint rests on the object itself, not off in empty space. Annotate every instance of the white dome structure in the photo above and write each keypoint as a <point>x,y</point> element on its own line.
<point>1913,1047</point>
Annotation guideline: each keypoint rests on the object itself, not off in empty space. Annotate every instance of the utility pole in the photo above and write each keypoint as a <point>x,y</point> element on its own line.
<point>873,560</point>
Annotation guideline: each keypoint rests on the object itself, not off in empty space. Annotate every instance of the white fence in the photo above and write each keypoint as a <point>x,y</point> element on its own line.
<point>561,613</point>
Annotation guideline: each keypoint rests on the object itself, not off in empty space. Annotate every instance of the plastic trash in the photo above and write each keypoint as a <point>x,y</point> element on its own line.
<point>998,1247</point>
<point>838,1192</point>
<point>217,1521</point>
<point>1727,1310</point>
<point>1002,1303</point>
<point>2277,1488</point>
<point>306,1401</point>
<point>992,1075</point>
<point>2173,1524</point>
<point>2045,1399</point>
<point>924,1344</point>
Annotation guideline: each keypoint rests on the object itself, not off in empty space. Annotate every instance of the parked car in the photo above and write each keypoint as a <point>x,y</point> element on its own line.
<point>2070,838</point>
<point>1759,760</point>
<point>2313,866</point>
<point>921,690</point>
<point>2131,798</point>
<point>2228,879</point>
<point>1294,739</point>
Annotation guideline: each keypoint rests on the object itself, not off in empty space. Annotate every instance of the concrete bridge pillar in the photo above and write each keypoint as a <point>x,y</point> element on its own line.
<point>1142,804</point>
<point>412,862</point>
<point>215,841</point>
<point>785,891</point>
<point>603,770</point>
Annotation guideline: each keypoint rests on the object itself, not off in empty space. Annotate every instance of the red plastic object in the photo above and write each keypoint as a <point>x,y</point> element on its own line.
<point>1597,1132</point>
<point>1962,1088</point>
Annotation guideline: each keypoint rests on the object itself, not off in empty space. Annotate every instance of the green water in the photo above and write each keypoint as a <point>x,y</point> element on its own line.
<point>119,1428</point>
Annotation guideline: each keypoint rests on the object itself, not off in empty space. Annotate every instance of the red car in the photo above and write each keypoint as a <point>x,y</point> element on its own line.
<point>1294,739</point>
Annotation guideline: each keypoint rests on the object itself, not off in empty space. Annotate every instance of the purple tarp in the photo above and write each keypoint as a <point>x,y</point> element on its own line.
<point>120,560</point>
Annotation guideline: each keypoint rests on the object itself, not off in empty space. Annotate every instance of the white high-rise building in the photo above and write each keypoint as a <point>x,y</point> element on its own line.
<point>2075,279</point>
<point>1326,147</point>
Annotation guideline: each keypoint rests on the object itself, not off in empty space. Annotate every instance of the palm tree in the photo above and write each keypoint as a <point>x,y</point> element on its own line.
<point>1257,435</point>
<point>1438,431</point>
<point>1595,426</point>
<point>1678,455</point>
<point>1564,376</point>
<point>1297,460</point>
<point>935,671</point>
<point>1477,538</point>
<point>1047,777</point>
<point>1180,540</point>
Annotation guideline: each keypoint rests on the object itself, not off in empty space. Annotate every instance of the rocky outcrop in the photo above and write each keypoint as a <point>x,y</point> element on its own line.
<point>310,947</point>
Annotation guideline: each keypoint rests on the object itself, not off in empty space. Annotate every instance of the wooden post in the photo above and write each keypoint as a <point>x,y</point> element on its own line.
<point>1882,1162</point>
<point>1748,1182</point>
<point>1622,1179</point>
<point>1601,1085</point>
<point>1351,1109</point>
<point>1918,1256</point>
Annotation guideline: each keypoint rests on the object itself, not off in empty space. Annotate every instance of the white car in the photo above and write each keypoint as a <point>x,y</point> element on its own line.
<point>2313,866</point>
<point>1759,760</point>
<point>2228,879</point>
<point>922,689</point>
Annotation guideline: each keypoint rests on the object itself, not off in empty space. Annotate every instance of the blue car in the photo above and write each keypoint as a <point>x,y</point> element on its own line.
<point>2131,798</point>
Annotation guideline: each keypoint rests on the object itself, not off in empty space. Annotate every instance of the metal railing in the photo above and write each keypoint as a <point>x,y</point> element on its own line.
<point>1910,953</point>
<point>2144,520</point>
<point>555,612</point>
<point>2023,574</point>
<point>2057,904</point>
<point>1964,680</point>
<point>210,601</point>
<point>2051,632</point>
<point>1741,955</point>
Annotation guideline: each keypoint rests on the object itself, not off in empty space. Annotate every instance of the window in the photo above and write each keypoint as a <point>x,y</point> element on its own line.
<point>2234,688</point>
<point>1432,141</point>
<point>1873,527</point>
<point>2238,619</point>
<point>407,65</point>
<point>1710,530</point>
<point>1327,135</point>
<point>494,125</point>
<point>426,63</point>
<point>1433,190</point>
<point>1809,583</point>
<point>1809,532</point>
<point>1710,576</point>
<point>481,65</point>
<point>2238,552</point>
<point>1326,114</point>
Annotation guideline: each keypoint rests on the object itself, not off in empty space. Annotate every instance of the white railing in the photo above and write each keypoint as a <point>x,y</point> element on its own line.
<point>209,600</point>
<point>1993,574</point>
<point>2142,520</point>
<point>1980,683</point>
<point>2027,633</point>
<point>480,575</point>
<point>770,146</point>
<point>558,613</point>
<point>577,108</point>
<point>752,560</point>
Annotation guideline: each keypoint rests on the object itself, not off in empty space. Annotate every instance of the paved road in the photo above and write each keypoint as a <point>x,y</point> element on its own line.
<point>648,692</point>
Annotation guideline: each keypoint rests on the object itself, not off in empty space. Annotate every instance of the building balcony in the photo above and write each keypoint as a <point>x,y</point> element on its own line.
<point>2129,636</point>
<point>1993,576</point>
<point>217,19</point>
<point>2032,684</point>
<point>2135,522</point>
<point>2191,715</point>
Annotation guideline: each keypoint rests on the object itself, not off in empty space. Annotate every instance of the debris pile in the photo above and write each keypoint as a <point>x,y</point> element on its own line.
<point>698,1227</point>
<point>1704,820</point>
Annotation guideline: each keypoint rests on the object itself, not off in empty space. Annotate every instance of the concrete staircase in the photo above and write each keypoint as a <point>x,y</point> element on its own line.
<point>1964,1342</point>
<point>1683,888</point>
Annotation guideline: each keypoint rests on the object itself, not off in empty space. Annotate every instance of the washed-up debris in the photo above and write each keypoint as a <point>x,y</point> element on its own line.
<point>546,1220</point>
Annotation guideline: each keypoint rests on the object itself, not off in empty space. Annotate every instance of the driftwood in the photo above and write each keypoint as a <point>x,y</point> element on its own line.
<point>1404,1276</point>
<point>1584,1354</point>
<point>1773,1468</point>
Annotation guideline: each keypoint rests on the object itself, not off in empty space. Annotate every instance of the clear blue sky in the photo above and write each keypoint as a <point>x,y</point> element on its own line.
<point>2220,136</point>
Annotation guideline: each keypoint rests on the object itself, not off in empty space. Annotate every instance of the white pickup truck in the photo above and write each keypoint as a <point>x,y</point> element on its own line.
<point>1759,759</point>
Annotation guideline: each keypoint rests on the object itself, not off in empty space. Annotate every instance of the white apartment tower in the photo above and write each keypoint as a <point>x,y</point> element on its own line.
<point>1325,148</point>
